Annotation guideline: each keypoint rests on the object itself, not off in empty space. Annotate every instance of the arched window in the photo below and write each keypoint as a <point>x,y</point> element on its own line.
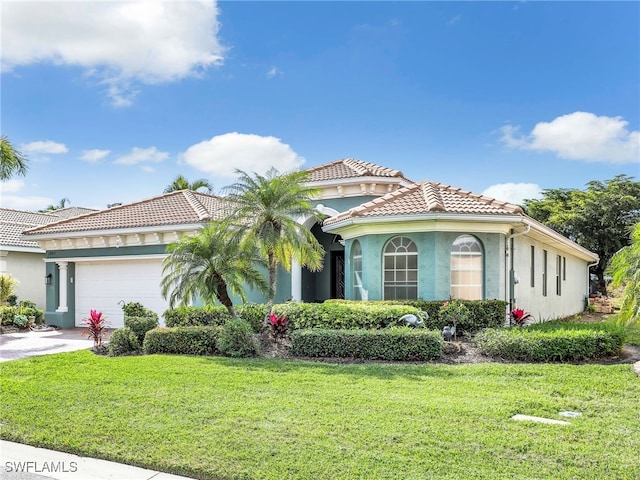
<point>356,269</point>
<point>400,269</point>
<point>466,268</point>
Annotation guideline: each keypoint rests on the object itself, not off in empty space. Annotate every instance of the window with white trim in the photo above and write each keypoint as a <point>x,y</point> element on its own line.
<point>400,269</point>
<point>356,269</point>
<point>467,268</point>
<point>544,273</point>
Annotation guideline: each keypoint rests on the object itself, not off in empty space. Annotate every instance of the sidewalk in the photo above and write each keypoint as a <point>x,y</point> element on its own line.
<point>24,462</point>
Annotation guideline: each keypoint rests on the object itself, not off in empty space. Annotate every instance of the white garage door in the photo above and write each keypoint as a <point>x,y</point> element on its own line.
<point>103,285</point>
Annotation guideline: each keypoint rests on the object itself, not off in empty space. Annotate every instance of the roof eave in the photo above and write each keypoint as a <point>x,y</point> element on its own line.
<point>114,231</point>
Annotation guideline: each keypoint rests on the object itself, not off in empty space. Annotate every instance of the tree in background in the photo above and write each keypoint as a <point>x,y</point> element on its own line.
<point>267,209</point>
<point>597,218</point>
<point>208,265</point>
<point>625,270</point>
<point>62,204</point>
<point>181,183</point>
<point>12,161</point>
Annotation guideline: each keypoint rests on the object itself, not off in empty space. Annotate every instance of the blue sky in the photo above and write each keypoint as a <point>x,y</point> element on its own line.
<point>112,100</point>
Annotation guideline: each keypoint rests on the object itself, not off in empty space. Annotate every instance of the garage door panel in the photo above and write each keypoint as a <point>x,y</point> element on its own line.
<point>105,286</point>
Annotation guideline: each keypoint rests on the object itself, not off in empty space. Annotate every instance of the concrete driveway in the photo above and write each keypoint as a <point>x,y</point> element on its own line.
<point>31,344</point>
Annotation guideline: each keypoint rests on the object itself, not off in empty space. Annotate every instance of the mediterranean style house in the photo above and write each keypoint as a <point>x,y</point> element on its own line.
<point>385,237</point>
<point>22,258</point>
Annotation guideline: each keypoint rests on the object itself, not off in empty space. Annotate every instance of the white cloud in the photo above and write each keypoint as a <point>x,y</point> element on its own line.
<point>514,193</point>
<point>20,202</point>
<point>452,21</point>
<point>147,168</point>
<point>45,147</point>
<point>579,136</point>
<point>120,44</point>
<point>94,156</point>
<point>142,155</point>
<point>221,155</point>
<point>274,72</point>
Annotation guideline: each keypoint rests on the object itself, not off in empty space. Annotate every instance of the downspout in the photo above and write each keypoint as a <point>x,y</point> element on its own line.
<point>586,298</point>
<point>512,273</point>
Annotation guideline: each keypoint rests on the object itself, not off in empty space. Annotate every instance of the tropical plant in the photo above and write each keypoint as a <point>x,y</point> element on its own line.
<point>181,183</point>
<point>278,325</point>
<point>208,265</point>
<point>518,317</point>
<point>12,161</point>
<point>8,285</point>
<point>625,270</point>
<point>96,324</point>
<point>267,208</point>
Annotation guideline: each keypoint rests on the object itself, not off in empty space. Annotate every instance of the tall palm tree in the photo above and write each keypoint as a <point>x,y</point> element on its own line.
<point>266,208</point>
<point>12,161</point>
<point>625,269</point>
<point>209,265</point>
<point>181,183</point>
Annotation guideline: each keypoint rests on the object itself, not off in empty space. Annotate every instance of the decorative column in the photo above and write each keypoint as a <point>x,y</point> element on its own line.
<point>296,281</point>
<point>62,287</point>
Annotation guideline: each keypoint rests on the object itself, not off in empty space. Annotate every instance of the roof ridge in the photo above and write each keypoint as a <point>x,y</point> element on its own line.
<point>201,211</point>
<point>432,197</point>
<point>356,165</point>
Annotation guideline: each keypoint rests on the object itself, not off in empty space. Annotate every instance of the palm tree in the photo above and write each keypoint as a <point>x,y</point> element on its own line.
<point>266,208</point>
<point>208,265</point>
<point>181,183</point>
<point>625,269</point>
<point>62,204</point>
<point>12,161</point>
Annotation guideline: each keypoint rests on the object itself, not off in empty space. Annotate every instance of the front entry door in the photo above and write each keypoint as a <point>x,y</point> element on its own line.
<point>337,274</point>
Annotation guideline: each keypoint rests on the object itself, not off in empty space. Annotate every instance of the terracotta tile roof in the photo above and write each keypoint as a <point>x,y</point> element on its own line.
<point>349,168</point>
<point>71,212</point>
<point>428,197</point>
<point>174,208</point>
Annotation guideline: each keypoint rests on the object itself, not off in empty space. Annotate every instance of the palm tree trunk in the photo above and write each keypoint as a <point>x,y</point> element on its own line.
<point>273,269</point>
<point>223,296</point>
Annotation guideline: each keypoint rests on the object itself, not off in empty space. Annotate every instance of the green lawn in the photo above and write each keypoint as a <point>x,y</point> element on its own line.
<point>217,418</point>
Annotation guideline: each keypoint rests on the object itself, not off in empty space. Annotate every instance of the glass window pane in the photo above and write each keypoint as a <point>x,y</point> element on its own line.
<point>466,268</point>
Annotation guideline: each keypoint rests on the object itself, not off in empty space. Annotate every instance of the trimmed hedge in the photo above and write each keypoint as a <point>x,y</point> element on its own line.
<point>7,314</point>
<point>552,342</point>
<point>123,341</point>
<point>236,339</point>
<point>182,340</point>
<point>483,313</point>
<point>400,344</point>
<point>214,315</point>
<point>141,325</point>
<point>343,315</point>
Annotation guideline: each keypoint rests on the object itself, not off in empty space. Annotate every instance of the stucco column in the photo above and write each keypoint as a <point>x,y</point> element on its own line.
<point>296,281</point>
<point>62,287</point>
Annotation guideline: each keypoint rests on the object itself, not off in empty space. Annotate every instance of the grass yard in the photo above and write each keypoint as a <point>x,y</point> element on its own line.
<point>218,418</point>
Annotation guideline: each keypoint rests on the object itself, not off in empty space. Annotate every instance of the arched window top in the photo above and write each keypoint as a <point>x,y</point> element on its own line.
<point>466,243</point>
<point>402,245</point>
<point>356,249</point>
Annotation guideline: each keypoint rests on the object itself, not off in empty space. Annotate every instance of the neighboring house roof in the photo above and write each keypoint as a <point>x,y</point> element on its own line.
<point>349,168</point>
<point>14,222</point>
<point>173,208</point>
<point>428,197</point>
<point>70,212</point>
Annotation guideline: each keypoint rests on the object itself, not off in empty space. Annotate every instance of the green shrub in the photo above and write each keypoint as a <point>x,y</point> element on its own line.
<point>29,309</point>
<point>7,314</point>
<point>236,339</point>
<point>123,341</point>
<point>343,315</point>
<point>136,309</point>
<point>396,343</point>
<point>253,313</point>
<point>182,340</point>
<point>553,342</point>
<point>196,316</point>
<point>21,320</point>
<point>141,325</point>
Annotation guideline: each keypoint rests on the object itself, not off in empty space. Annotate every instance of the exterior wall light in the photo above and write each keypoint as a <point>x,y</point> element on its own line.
<point>47,279</point>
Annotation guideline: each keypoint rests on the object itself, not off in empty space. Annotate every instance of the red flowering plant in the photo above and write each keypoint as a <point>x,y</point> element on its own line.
<point>278,325</point>
<point>519,316</point>
<point>96,324</point>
